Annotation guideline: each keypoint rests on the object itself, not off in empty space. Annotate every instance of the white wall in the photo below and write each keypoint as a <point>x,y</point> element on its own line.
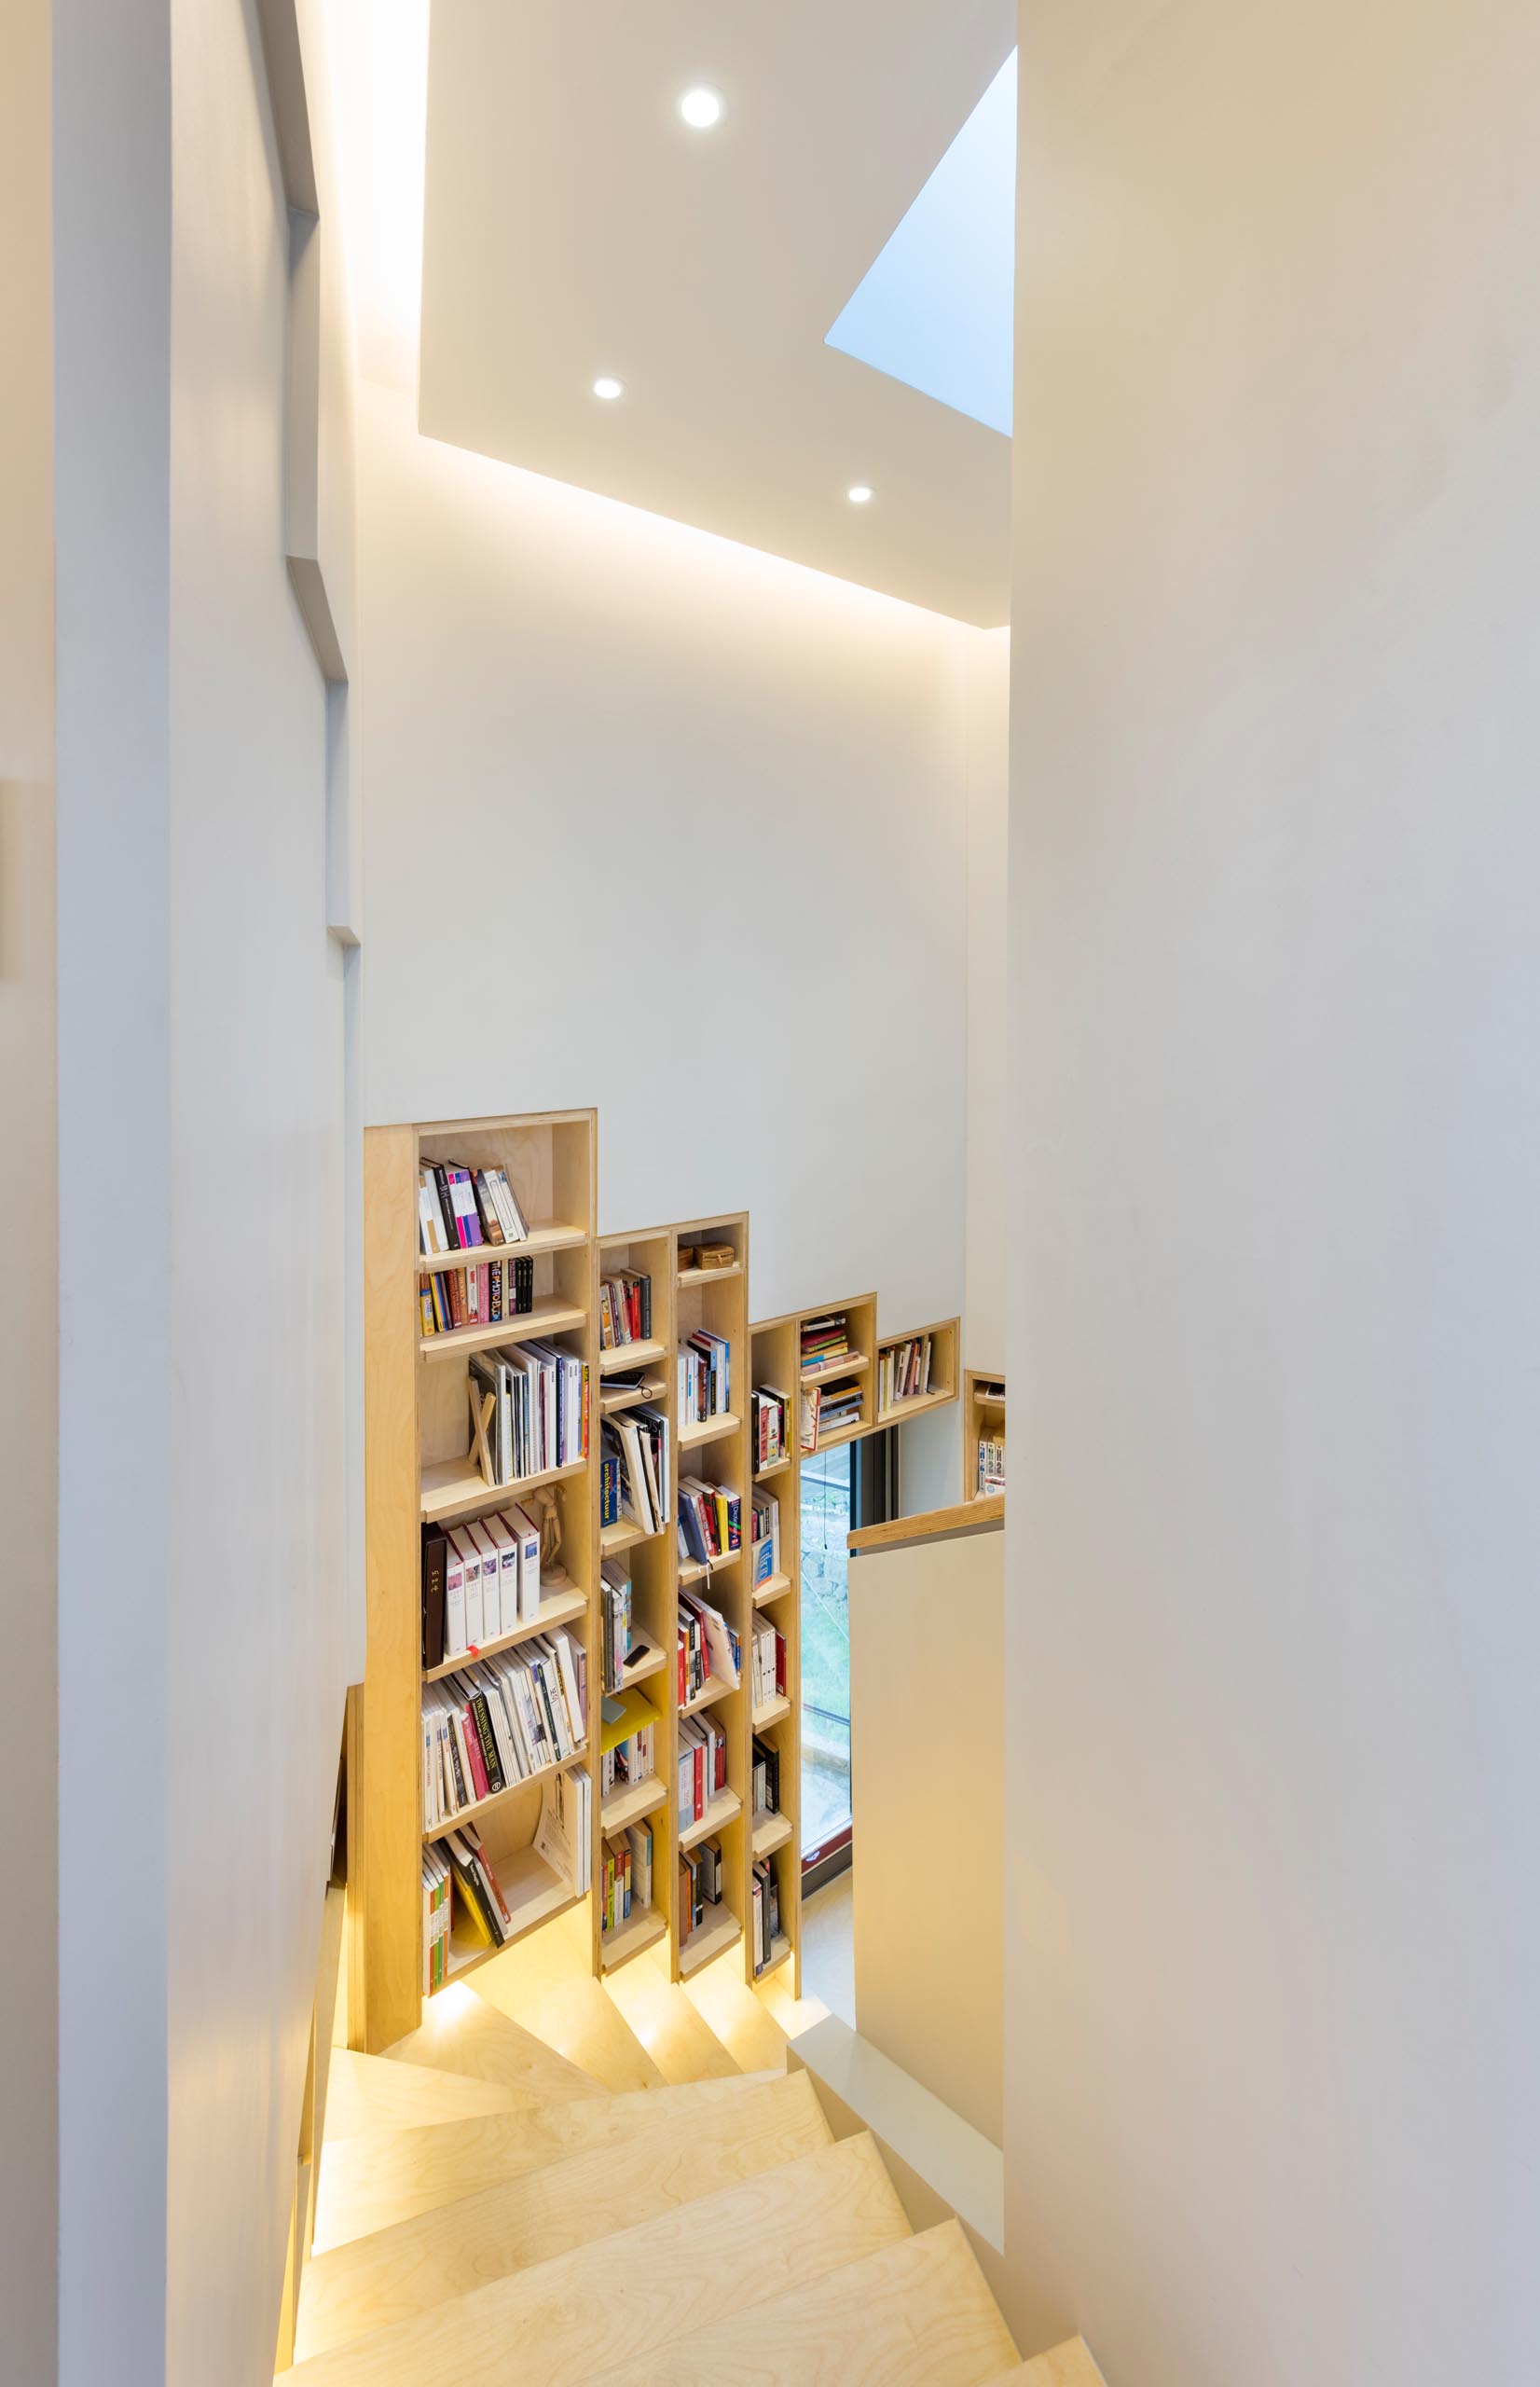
<point>661,823</point>
<point>201,1167</point>
<point>988,812</point>
<point>29,2171</point>
<point>1273,1950</point>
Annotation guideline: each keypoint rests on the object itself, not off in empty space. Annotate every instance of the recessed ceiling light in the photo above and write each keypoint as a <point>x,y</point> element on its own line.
<point>701,106</point>
<point>860,495</point>
<point>608,387</point>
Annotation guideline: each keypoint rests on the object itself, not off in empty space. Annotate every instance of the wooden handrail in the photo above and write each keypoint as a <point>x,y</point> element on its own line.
<point>933,1525</point>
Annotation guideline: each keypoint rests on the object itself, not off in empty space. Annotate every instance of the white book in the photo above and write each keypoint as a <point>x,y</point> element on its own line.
<point>469,1559</point>
<point>570,1684</point>
<point>454,1600</point>
<point>491,1558</point>
<point>521,1525</point>
<point>505,1543</point>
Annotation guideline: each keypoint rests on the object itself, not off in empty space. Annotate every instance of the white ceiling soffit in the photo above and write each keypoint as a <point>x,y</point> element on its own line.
<point>575,226</point>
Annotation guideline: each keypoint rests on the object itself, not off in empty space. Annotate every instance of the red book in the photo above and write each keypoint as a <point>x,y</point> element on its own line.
<point>472,1743</point>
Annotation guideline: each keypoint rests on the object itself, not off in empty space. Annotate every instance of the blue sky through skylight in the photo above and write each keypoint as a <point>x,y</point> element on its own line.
<point>936,309</point>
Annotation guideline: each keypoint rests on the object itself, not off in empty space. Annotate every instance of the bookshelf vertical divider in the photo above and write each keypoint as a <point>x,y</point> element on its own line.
<point>777,1348</point>
<point>418,1468</point>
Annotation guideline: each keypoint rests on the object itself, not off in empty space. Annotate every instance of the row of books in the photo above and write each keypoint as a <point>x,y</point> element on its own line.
<point>702,1767</point>
<point>763,1913</point>
<point>709,1650</point>
<point>769,1657</point>
<point>991,1462</point>
<point>628,1725</point>
<point>502,1721</point>
<point>540,1398</point>
<point>825,1408</point>
<point>483,1295</point>
<point>825,1340</point>
<point>625,1309</point>
<point>705,1378</point>
<point>769,1411</point>
<point>903,1371</point>
<point>459,1208</point>
<point>710,1520</point>
<point>480,1582</point>
<point>625,1878</point>
<point>461,1884</point>
<point>699,1885</point>
<point>765,1778</point>
<point>634,1469</point>
<point>764,1535</point>
<point>621,1649</point>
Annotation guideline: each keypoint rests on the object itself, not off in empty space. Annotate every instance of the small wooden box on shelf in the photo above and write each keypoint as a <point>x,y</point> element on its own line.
<point>426,1453</point>
<point>639,1374</point>
<point>711,1296</point>
<point>983,1434</point>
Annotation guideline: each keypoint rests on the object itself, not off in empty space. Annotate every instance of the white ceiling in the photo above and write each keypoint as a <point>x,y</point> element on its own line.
<point>574,227</point>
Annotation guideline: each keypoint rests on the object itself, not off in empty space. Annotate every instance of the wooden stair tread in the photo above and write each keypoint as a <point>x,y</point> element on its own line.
<point>1066,2366</point>
<point>370,2183</point>
<point>570,2017</point>
<point>738,2017</point>
<point>423,2262</point>
<point>620,2296</point>
<point>463,2033</point>
<point>680,2040</point>
<point>368,2094</point>
<point>918,2314</point>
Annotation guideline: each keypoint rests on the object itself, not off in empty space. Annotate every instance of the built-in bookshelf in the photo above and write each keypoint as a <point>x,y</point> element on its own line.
<point>836,1373</point>
<point>711,1380</point>
<point>444,1418</point>
<point>916,1372</point>
<point>775,1590</point>
<point>636,1379</point>
<point>983,1434</point>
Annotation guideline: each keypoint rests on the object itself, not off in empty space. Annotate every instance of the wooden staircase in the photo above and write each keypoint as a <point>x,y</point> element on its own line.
<point>601,2191</point>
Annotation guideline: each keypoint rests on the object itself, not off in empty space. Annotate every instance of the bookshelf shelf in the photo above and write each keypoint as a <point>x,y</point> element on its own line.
<point>631,1354</point>
<point>641,1929</point>
<point>710,1696</point>
<point>916,1406</point>
<point>852,1364</point>
<point>841,1434</point>
<point>776,1467</point>
<point>453,1488</point>
<point>780,1950</point>
<point>718,1930</point>
<point>692,1571</point>
<point>561,1608</point>
<point>773,1588</point>
<point>654,1391</point>
<point>771,1713</point>
<point>573,1765</point>
<point>552,1236</point>
<point>708,1429</point>
<point>628,1806</point>
<point>685,1277</point>
<point>771,1832</point>
<point>646,1659</point>
<point>623,1534</point>
<point>720,1811</point>
<point>549,1316</point>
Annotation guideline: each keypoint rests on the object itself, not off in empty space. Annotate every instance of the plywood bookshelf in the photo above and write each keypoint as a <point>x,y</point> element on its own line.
<point>649,1559</point>
<point>853,1370</point>
<point>983,1419</point>
<point>942,1384</point>
<point>777,1366</point>
<point>419,1469</point>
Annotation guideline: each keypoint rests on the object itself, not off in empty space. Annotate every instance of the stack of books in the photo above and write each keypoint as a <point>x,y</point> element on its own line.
<point>709,1650</point>
<point>625,1309</point>
<point>904,1371</point>
<point>765,1778</point>
<point>467,1891</point>
<point>705,1378</point>
<point>764,1536</point>
<point>710,1520</point>
<point>702,1767</point>
<point>540,1418</point>
<point>769,1420</point>
<point>615,1621</point>
<point>502,1721</point>
<point>992,1462</point>
<point>459,1209</point>
<point>480,1582</point>
<point>765,1915</point>
<point>628,1741</point>
<point>484,1295</point>
<point>699,1885</point>
<point>769,1662</point>
<point>625,1883</point>
<point>825,1342</point>
<point>436,1918</point>
<point>825,1409</point>
<point>634,1469</point>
